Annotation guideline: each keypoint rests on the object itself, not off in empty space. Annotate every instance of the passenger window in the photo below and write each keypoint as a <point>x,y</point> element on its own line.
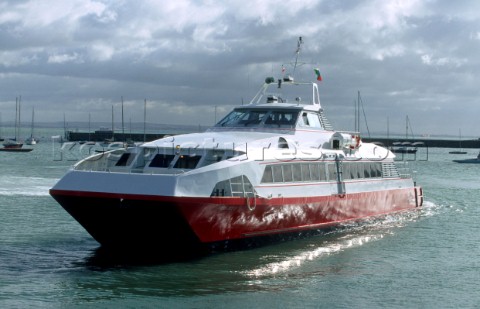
<point>287,173</point>
<point>305,122</point>
<point>187,162</point>
<point>267,175</point>
<point>314,121</point>
<point>277,173</point>
<point>306,172</point>
<point>314,172</point>
<point>124,160</point>
<point>281,119</point>
<point>297,172</point>
<point>161,160</point>
<point>310,120</point>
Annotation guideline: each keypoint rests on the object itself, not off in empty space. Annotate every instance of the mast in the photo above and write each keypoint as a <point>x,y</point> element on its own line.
<point>355,115</point>
<point>144,120</point>
<point>358,112</point>
<point>19,110</point>
<point>297,52</point>
<point>406,128</point>
<point>16,117</point>
<point>89,121</point>
<point>123,126</point>
<point>64,127</point>
<point>459,137</point>
<point>113,131</point>
<point>360,101</point>
<point>388,131</point>
<point>33,120</point>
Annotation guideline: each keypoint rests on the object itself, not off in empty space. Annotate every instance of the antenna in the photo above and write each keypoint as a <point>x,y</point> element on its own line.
<point>297,52</point>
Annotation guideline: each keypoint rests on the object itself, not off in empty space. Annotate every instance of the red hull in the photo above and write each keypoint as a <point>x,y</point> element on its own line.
<point>125,220</point>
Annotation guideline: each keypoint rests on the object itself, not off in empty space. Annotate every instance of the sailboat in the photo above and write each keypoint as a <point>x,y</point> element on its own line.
<point>13,145</point>
<point>461,151</point>
<point>31,140</point>
<point>404,147</point>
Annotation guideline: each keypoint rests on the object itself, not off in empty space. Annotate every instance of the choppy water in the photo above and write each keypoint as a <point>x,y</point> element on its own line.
<point>421,259</point>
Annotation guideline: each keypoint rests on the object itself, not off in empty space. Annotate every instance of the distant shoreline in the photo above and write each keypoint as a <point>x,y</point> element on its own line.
<point>422,142</point>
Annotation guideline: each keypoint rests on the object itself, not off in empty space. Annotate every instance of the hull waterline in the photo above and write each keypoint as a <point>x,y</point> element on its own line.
<point>192,224</point>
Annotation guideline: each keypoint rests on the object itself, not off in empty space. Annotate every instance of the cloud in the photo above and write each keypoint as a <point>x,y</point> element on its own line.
<point>189,56</point>
<point>444,61</point>
<point>57,58</point>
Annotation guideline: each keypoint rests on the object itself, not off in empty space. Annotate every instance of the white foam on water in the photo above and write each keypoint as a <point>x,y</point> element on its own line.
<point>25,186</point>
<point>355,235</point>
<point>297,261</point>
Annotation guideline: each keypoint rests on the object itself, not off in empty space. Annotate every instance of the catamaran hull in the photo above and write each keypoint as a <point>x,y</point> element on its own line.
<point>187,223</point>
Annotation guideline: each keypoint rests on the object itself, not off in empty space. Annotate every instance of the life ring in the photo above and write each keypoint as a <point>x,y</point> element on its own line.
<point>247,198</point>
<point>355,141</point>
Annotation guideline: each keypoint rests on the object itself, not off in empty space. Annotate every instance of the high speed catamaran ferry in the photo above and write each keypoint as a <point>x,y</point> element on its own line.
<point>272,167</point>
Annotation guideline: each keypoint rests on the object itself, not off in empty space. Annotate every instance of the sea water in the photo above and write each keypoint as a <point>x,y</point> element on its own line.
<point>427,258</point>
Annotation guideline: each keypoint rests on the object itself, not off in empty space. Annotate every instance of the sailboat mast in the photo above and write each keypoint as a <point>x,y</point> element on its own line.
<point>33,119</point>
<point>358,110</point>
<point>19,111</point>
<point>406,127</point>
<point>460,138</point>
<point>113,131</point>
<point>16,117</point>
<point>145,120</point>
<point>355,114</point>
<point>89,125</point>
<point>388,131</point>
<point>123,126</point>
<point>64,127</point>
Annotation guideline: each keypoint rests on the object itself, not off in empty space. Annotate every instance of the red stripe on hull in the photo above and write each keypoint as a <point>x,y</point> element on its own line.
<point>124,220</point>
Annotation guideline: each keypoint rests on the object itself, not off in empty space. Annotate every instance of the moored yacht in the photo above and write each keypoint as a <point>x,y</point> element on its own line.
<point>272,167</point>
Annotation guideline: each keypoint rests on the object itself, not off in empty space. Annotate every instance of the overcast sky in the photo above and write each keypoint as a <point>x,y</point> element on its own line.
<point>79,57</point>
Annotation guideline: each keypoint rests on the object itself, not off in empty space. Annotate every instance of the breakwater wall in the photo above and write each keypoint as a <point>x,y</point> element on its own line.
<point>428,142</point>
<point>100,136</point>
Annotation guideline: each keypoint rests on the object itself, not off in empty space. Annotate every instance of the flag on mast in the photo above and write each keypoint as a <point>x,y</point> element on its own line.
<point>319,76</point>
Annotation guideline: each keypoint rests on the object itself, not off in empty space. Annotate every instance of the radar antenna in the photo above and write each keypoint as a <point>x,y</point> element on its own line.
<point>297,52</point>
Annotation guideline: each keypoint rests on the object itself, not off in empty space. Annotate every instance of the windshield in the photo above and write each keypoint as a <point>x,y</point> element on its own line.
<point>259,118</point>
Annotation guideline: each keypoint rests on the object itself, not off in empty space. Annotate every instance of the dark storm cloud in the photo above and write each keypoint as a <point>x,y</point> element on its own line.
<point>416,58</point>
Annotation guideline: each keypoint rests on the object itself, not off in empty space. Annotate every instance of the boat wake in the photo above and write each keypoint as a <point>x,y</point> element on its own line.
<point>25,186</point>
<point>347,237</point>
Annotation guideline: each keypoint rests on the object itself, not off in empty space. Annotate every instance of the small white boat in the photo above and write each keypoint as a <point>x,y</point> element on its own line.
<point>472,160</point>
<point>403,147</point>
<point>31,140</point>
<point>461,151</point>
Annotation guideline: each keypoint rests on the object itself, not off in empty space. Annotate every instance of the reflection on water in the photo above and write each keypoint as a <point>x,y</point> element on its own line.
<point>47,260</point>
<point>267,268</point>
<point>107,258</point>
<point>347,237</point>
<point>307,255</point>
